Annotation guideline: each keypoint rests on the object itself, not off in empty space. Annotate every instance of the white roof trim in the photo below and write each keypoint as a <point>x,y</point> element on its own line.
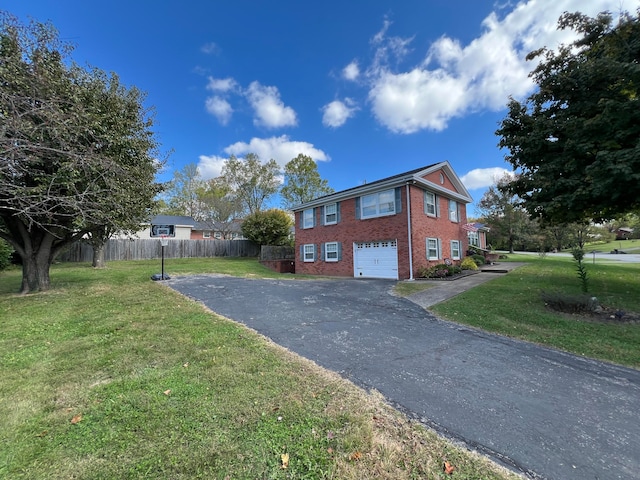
<point>416,178</point>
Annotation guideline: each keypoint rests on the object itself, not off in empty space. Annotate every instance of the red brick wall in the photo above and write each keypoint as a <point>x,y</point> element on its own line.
<point>348,231</point>
<point>425,226</point>
<point>393,227</point>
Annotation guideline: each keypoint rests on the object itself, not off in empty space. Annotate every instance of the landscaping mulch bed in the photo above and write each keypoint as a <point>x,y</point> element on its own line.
<point>451,278</point>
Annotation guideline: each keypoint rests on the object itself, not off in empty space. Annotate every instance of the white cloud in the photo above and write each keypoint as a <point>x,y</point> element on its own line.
<point>336,113</point>
<point>221,84</point>
<point>454,80</point>
<point>219,108</point>
<point>483,177</point>
<point>281,149</point>
<point>209,48</point>
<point>351,72</point>
<point>269,109</point>
<point>210,166</point>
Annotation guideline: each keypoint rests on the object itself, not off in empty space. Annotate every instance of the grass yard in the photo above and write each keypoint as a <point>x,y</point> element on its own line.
<point>511,305</point>
<point>110,375</point>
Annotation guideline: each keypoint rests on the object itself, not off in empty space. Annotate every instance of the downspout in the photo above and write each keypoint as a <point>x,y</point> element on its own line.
<point>409,234</point>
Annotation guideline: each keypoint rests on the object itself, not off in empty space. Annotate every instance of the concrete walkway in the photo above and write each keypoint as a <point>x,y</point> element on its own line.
<point>446,289</point>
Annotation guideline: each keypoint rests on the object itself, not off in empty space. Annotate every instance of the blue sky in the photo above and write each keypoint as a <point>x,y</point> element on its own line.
<point>367,88</point>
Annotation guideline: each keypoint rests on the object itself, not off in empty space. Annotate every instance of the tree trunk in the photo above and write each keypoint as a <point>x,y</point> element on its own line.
<point>98,256</point>
<point>35,271</point>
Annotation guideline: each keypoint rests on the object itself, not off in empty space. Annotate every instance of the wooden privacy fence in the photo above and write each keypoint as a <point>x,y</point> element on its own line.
<point>147,249</point>
<point>268,252</point>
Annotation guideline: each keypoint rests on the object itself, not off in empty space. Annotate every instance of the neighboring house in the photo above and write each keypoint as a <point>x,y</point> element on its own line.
<point>186,228</point>
<point>384,229</point>
<point>218,231</point>
<point>183,225</point>
<point>623,233</point>
<point>477,235</point>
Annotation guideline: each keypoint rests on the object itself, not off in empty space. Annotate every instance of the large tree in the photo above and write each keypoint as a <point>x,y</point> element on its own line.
<point>252,181</point>
<point>576,140</point>
<point>183,192</point>
<point>302,182</point>
<point>510,225</point>
<point>77,154</point>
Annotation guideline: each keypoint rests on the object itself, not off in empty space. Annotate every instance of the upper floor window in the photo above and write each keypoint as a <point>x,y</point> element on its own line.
<point>430,206</point>
<point>378,204</point>
<point>308,218</point>
<point>331,214</point>
<point>453,210</point>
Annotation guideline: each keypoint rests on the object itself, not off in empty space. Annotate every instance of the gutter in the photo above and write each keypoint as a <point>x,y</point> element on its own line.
<point>409,233</point>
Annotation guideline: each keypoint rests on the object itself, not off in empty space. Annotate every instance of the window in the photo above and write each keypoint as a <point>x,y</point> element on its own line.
<point>378,204</point>
<point>330,214</point>
<point>206,234</point>
<point>218,235</point>
<point>455,249</point>
<point>474,238</point>
<point>453,210</point>
<point>430,207</point>
<point>308,218</point>
<point>433,252</point>
<point>309,253</point>
<point>331,252</point>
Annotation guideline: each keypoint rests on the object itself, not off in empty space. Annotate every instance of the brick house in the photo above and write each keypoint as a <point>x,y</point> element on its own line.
<point>384,229</point>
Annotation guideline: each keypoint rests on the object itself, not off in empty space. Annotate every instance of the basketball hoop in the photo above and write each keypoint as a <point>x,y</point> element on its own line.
<point>164,240</point>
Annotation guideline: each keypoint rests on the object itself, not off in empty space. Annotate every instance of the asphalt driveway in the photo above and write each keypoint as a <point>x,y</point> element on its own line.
<point>542,412</point>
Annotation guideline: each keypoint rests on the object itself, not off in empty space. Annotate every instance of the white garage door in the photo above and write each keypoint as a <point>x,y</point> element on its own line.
<point>376,259</point>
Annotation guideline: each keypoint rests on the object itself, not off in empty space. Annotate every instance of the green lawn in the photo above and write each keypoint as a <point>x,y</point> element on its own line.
<point>512,305</point>
<point>110,375</point>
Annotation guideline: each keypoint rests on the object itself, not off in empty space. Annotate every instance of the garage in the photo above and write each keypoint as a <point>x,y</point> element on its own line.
<point>377,259</point>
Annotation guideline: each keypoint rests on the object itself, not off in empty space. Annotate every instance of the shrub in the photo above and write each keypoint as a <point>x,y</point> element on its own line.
<point>438,271</point>
<point>270,227</point>
<point>468,264</point>
<point>5,254</point>
<point>479,259</point>
<point>563,302</point>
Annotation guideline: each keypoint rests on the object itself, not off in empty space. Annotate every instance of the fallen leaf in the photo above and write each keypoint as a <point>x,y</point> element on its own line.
<point>356,456</point>
<point>185,365</point>
<point>167,392</point>
<point>42,434</point>
<point>76,419</point>
<point>448,468</point>
<point>285,460</point>
<point>330,451</point>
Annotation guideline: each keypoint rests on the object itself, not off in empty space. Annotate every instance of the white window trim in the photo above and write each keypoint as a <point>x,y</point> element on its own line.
<point>437,257</point>
<point>206,234</point>
<point>335,213</point>
<point>454,257</point>
<point>304,218</point>
<point>313,253</point>
<point>435,204</point>
<point>326,252</point>
<point>456,211</point>
<point>474,238</point>
<point>377,196</point>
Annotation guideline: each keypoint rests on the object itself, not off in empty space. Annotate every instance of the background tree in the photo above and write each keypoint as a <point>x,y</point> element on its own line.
<point>576,139</point>
<point>220,208</point>
<point>302,182</point>
<point>510,225</point>
<point>183,192</point>
<point>251,181</point>
<point>270,227</point>
<point>76,150</point>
